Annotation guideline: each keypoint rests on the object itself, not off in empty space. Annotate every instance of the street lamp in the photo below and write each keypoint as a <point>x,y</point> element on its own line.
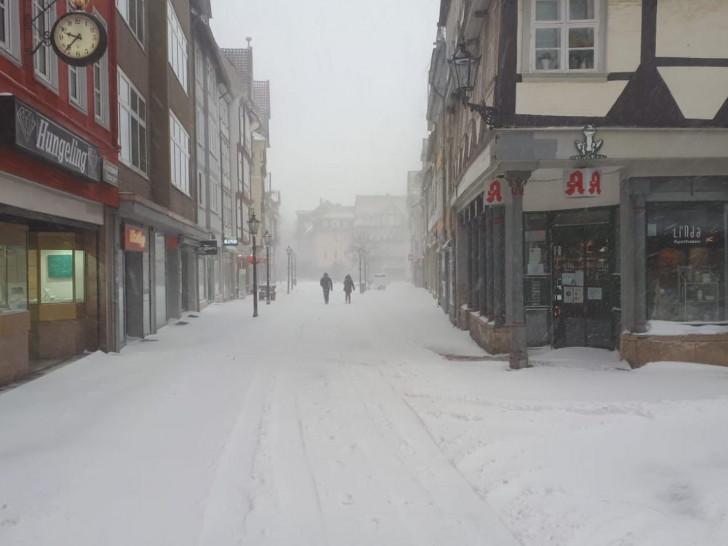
<point>464,69</point>
<point>361,258</point>
<point>253,225</point>
<point>289,251</point>
<point>266,240</point>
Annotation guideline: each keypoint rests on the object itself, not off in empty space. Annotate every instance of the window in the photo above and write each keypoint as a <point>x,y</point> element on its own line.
<point>56,268</point>
<point>13,268</point>
<point>565,35</point>
<point>101,87</point>
<point>200,189</point>
<point>179,153</point>
<point>225,163</point>
<point>9,29</point>
<point>214,195</point>
<point>686,262</point>
<point>227,212</point>
<point>132,11</point>
<point>176,46</point>
<point>199,66</point>
<point>77,86</point>
<point>45,63</point>
<point>132,125</point>
<point>224,118</point>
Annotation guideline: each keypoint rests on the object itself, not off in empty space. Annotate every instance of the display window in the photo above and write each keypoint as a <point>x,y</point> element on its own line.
<point>13,268</point>
<point>56,269</point>
<point>686,262</point>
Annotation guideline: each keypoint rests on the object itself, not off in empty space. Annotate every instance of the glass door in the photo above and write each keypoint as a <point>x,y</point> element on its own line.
<point>582,268</point>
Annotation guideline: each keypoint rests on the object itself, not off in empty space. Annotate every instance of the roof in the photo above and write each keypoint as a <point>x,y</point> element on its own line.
<point>242,61</point>
<point>379,204</point>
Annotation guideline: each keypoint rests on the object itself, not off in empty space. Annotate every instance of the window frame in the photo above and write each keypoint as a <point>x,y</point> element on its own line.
<point>528,53</point>
<point>100,76</point>
<point>177,48</point>
<point>179,154</point>
<point>43,24</point>
<point>122,6</point>
<point>11,46</point>
<point>126,109</point>
<point>80,101</point>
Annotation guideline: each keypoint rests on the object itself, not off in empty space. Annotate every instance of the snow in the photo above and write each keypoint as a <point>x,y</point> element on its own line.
<point>667,328</point>
<point>341,424</point>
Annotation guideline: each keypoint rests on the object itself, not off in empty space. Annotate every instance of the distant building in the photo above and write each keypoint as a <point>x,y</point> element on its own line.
<point>381,224</point>
<point>324,241</point>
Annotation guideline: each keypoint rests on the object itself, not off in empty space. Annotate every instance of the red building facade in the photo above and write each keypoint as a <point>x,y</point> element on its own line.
<point>58,188</point>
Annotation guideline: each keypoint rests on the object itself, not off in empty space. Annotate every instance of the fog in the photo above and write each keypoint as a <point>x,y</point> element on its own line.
<point>348,91</point>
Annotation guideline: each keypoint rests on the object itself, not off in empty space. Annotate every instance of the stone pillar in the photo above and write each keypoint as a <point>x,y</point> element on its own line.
<point>482,279</point>
<point>461,269</point>
<point>489,263</point>
<point>499,246</point>
<point>515,313</point>
<point>639,227</point>
<point>626,257</point>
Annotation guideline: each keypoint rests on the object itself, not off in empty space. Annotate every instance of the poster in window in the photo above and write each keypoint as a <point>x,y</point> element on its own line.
<point>60,266</point>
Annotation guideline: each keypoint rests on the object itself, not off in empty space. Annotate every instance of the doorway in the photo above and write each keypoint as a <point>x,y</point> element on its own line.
<point>583,262</point>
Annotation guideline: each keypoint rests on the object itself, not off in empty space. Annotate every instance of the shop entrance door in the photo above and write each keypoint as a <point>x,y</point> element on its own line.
<point>582,259</point>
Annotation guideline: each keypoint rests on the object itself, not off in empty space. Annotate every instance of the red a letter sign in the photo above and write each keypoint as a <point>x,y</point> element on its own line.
<point>575,183</point>
<point>494,192</point>
<point>578,180</point>
<point>595,184</point>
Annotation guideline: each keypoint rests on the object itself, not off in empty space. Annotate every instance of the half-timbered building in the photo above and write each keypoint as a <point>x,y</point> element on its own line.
<point>588,167</point>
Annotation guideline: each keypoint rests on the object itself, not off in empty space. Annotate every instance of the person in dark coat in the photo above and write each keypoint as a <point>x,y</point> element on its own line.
<point>328,285</point>
<point>348,287</point>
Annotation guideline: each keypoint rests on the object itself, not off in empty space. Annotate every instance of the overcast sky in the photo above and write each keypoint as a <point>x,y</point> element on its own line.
<point>348,90</point>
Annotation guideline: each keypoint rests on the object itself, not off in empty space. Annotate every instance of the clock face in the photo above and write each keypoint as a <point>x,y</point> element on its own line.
<point>78,38</point>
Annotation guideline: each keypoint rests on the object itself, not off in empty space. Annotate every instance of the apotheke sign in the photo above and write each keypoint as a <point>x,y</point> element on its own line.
<point>39,135</point>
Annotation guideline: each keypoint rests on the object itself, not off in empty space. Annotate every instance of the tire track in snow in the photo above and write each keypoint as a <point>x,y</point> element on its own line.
<point>396,421</point>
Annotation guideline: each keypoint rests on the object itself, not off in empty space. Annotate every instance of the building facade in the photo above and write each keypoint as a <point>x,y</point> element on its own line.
<point>156,257</point>
<point>589,174</point>
<point>58,193</point>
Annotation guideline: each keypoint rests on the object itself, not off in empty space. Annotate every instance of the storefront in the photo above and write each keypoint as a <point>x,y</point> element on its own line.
<point>680,260</point>
<point>56,194</point>
<point>571,291</point>
<point>157,268</point>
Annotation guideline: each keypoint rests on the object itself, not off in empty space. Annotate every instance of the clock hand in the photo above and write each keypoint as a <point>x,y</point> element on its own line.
<point>75,37</point>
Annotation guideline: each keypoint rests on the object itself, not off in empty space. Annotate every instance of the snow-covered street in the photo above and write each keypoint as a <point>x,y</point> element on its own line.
<point>360,424</point>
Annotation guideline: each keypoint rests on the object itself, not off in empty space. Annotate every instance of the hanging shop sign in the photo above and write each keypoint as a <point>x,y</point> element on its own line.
<point>109,172</point>
<point>582,183</point>
<point>229,241</point>
<point>135,238</point>
<point>207,248</point>
<point>494,195</point>
<point>35,134</point>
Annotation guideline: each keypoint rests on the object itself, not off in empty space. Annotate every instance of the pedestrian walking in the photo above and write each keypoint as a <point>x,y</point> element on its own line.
<point>327,285</point>
<point>348,287</point>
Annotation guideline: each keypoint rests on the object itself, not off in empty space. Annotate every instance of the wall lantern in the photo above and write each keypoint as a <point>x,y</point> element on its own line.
<point>463,70</point>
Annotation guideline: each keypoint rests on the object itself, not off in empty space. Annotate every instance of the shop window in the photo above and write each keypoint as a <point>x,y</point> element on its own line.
<point>536,244</point>
<point>56,269</point>
<point>13,270</point>
<point>685,262</point>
